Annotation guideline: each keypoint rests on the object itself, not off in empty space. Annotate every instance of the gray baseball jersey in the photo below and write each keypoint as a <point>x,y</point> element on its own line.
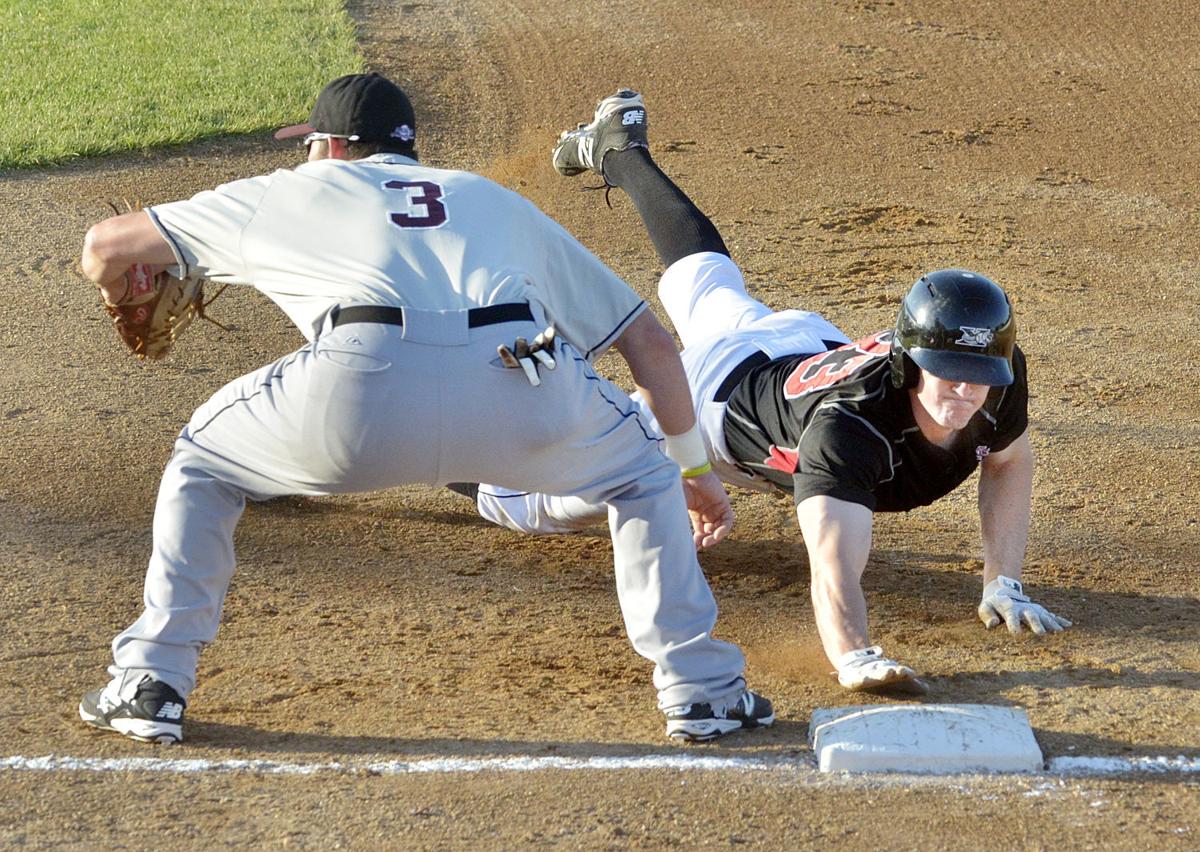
<point>404,234</point>
<point>421,397</point>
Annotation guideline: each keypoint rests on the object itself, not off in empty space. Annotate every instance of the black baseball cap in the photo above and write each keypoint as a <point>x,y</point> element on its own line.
<point>361,108</point>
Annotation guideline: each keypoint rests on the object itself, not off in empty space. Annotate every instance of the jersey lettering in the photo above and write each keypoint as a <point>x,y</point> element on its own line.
<point>829,368</point>
<point>422,197</point>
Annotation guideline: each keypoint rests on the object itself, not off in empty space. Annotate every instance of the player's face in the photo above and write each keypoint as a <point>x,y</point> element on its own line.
<point>950,405</point>
<point>318,149</point>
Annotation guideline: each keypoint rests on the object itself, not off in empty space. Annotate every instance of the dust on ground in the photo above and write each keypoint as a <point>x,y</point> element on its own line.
<point>842,148</point>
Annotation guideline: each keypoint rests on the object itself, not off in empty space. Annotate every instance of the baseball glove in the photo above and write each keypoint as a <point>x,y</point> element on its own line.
<point>155,309</point>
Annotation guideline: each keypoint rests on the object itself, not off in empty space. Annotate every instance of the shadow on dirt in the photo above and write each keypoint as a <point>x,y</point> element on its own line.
<point>791,735</point>
<point>1082,677</point>
<point>940,594</point>
<point>943,594</point>
<point>384,508</point>
<point>1056,744</point>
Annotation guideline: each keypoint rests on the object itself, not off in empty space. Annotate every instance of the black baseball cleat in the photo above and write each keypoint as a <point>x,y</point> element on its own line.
<point>470,490</point>
<point>618,125</point>
<point>154,713</point>
<point>698,723</point>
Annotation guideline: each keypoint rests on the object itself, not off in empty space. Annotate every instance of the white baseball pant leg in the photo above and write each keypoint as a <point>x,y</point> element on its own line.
<point>369,406</point>
<point>720,326</point>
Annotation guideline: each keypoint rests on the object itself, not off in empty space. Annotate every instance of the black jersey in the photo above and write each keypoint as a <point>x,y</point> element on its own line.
<point>834,424</point>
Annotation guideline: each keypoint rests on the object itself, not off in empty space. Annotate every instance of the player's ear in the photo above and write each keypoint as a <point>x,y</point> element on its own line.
<point>338,149</point>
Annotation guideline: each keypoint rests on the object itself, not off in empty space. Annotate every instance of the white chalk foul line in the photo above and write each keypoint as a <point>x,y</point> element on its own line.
<point>442,765</point>
<point>1119,765</point>
<point>1070,766</point>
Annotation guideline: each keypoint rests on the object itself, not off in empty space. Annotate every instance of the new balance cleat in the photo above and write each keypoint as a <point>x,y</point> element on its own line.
<point>619,124</point>
<point>699,723</point>
<point>150,712</point>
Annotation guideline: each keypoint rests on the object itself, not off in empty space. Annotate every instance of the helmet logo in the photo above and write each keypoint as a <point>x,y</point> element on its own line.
<point>978,337</point>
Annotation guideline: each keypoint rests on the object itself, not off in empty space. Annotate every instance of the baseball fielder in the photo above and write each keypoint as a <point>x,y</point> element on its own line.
<point>437,305</point>
<point>785,400</point>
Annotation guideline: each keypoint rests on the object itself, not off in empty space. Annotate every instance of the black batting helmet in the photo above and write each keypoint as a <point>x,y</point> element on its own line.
<point>957,325</point>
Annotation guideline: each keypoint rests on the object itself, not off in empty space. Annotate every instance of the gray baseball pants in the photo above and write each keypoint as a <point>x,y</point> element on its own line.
<point>369,406</point>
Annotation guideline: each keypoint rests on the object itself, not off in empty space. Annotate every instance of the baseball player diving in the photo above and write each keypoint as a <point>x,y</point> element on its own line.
<point>436,304</point>
<point>785,400</point>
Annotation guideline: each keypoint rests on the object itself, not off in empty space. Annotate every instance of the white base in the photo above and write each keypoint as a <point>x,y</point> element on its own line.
<point>933,738</point>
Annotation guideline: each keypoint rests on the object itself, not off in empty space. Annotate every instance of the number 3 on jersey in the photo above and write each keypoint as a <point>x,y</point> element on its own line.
<point>425,210</point>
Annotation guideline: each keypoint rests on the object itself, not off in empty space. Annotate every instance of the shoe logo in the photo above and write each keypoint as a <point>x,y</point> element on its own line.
<point>170,710</point>
<point>634,116</point>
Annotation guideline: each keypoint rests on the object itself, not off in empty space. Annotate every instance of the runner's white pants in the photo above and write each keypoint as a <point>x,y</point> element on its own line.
<point>369,406</point>
<point>720,326</point>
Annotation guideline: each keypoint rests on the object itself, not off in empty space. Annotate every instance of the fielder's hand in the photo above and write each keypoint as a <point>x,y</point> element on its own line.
<point>528,356</point>
<point>1004,600</point>
<point>868,670</point>
<point>708,508</point>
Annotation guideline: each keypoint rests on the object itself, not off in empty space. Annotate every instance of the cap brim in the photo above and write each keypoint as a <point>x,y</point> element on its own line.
<point>964,366</point>
<point>295,130</point>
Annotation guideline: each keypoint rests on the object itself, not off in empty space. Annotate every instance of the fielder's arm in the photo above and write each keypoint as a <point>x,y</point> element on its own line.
<point>653,360</point>
<point>837,534</point>
<point>654,363</point>
<point>115,244</point>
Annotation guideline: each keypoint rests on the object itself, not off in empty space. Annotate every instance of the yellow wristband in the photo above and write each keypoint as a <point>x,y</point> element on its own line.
<point>687,450</point>
<point>697,471</point>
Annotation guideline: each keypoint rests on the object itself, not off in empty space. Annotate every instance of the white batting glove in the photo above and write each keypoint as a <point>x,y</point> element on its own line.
<point>1004,600</point>
<point>868,670</point>
<point>528,356</point>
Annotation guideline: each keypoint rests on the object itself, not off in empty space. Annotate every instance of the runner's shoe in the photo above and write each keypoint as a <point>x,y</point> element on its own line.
<point>698,723</point>
<point>470,490</point>
<point>618,125</point>
<point>150,712</point>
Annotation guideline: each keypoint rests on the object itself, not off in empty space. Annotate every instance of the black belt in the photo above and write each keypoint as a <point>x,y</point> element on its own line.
<point>492,314</point>
<point>737,374</point>
<point>756,360</point>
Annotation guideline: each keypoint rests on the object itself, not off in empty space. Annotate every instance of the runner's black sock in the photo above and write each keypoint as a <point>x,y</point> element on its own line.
<point>676,226</point>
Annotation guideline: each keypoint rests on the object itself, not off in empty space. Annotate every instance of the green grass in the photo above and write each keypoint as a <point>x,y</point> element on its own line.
<point>86,77</point>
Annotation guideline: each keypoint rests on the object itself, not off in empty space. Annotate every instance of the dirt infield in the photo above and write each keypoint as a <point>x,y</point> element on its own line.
<point>842,147</point>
